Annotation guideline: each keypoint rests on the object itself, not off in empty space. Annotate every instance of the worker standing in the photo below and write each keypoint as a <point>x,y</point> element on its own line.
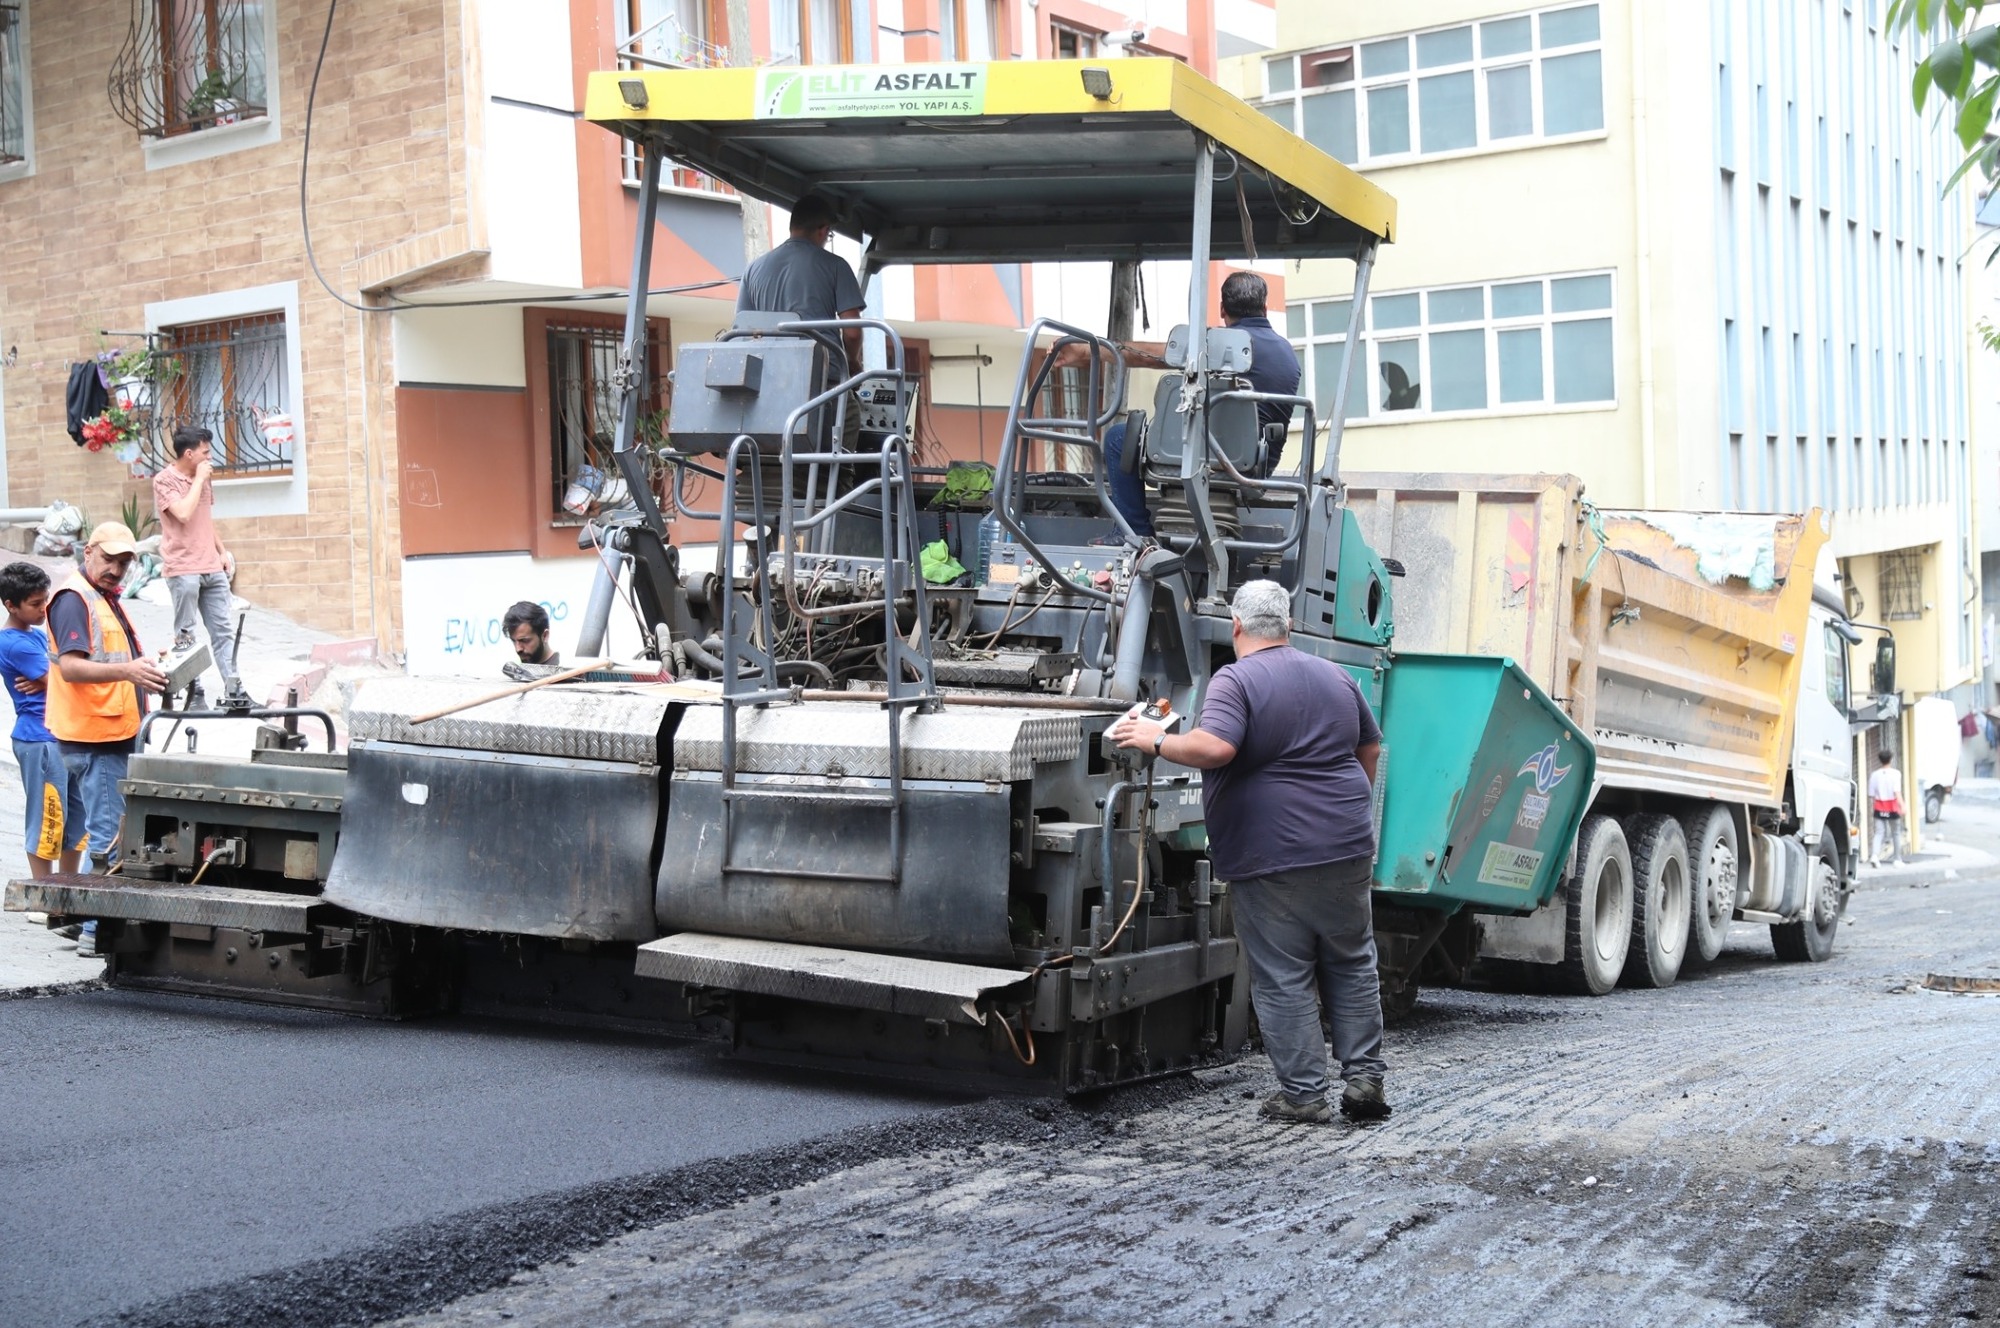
<point>198,567</point>
<point>1289,747</point>
<point>802,277</point>
<point>1885,802</point>
<point>96,690</point>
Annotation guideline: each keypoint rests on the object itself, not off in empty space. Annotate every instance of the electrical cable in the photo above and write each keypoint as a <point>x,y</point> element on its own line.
<point>312,258</point>
<point>1138,885</point>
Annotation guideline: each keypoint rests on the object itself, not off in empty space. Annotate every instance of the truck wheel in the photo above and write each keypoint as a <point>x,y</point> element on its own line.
<point>1659,901</point>
<point>1599,903</point>
<point>1810,939</point>
<point>1712,859</point>
<point>1933,806</point>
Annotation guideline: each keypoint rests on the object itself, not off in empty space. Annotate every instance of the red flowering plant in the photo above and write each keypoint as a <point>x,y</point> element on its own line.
<point>118,428</point>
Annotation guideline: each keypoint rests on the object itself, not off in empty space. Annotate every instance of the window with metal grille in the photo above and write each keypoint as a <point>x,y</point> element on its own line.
<point>1902,588</point>
<point>232,379</point>
<point>188,65</point>
<point>583,402</point>
<point>13,87</point>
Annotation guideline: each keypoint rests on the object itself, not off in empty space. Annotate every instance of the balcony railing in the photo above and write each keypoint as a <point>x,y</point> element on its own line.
<point>668,45</point>
<point>188,65</point>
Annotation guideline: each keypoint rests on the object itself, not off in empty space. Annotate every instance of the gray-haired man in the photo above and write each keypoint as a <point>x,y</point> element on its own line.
<point>1290,746</point>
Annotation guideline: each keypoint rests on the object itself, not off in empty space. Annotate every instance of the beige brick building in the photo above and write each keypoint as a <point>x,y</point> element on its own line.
<point>187,226</point>
<point>150,162</point>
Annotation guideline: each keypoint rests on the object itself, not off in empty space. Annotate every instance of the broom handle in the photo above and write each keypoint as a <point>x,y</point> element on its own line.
<point>518,688</point>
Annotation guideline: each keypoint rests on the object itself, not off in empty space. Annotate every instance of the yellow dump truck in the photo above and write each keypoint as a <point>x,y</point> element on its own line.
<point>1707,666</point>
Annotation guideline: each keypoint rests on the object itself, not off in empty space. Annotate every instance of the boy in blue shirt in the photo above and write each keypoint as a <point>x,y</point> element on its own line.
<point>55,830</point>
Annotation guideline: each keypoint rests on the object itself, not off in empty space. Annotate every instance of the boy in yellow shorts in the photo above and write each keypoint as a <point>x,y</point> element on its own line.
<point>55,830</point>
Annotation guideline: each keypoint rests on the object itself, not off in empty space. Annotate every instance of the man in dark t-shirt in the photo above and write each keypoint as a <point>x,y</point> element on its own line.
<point>1288,747</point>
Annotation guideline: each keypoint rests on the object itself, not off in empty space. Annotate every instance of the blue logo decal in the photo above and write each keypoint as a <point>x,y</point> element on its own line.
<point>1542,765</point>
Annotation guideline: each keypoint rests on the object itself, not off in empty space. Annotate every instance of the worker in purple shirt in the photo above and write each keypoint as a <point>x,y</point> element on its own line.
<point>1289,746</point>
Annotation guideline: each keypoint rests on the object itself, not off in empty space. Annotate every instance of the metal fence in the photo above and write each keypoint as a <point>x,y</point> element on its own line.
<point>231,379</point>
<point>583,402</point>
<point>189,64</point>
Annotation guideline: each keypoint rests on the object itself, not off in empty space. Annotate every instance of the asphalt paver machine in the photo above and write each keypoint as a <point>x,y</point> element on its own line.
<point>873,821</point>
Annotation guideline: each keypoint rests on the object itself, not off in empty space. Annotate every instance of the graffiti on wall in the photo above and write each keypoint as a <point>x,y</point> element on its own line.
<point>460,635</point>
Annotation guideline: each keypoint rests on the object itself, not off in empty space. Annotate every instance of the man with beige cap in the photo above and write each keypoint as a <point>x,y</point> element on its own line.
<point>96,699</point>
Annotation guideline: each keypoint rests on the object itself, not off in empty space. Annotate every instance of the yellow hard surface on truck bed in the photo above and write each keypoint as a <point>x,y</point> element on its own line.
<point>1688,686</point>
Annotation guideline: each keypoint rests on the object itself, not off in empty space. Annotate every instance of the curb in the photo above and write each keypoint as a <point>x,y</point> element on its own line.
<point>1922,875</point>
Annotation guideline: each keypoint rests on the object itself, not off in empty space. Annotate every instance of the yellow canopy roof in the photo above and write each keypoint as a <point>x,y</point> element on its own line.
<point>1013,161</point>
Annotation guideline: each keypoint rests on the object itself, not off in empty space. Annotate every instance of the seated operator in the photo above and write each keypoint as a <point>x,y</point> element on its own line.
<point>1274,368</point>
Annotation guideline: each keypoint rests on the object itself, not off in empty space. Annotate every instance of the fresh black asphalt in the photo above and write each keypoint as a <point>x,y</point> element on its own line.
<point>158,1145</point>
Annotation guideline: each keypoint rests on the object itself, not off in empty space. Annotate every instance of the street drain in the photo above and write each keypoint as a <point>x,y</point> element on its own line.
<point>1962,986</point>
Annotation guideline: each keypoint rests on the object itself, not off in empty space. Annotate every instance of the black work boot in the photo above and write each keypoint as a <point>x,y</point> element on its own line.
<point>1362,1099</point>
<point>1278,1107</point>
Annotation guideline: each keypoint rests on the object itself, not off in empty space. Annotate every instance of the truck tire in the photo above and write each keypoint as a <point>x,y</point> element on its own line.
<point>1599,904</point>
<point>1712,859</point>
<point>1810,939</point>
<point>1933,805</point>
<point>1660,900</point>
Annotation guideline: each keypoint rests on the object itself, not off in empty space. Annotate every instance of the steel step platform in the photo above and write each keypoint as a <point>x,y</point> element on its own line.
<point>924,988</point>
<point>87,895</point>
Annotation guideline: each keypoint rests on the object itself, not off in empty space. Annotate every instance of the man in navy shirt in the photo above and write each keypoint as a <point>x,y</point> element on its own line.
<point>1274,368</point>
<point>1289,749</point>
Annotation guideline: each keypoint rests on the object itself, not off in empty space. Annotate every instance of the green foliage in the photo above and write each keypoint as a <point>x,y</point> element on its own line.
<point>214,86</point>
<point>138,518</point>
<point>1961,70</point>
<point>144,362</point>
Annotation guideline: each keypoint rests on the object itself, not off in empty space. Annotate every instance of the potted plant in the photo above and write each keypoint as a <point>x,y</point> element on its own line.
<point>212,101</point>
<point>117,431</point>
<point>134,374</point>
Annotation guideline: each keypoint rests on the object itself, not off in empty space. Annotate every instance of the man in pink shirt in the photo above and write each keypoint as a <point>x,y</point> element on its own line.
<point>196,565</point>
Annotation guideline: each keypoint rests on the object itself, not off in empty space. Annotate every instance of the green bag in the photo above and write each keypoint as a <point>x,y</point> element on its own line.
<point>940,568</point>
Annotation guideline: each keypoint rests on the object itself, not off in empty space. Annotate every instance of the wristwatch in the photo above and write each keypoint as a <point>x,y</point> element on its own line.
<point>1159,741</point>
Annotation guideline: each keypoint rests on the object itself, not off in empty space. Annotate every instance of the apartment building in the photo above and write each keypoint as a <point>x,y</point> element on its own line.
<point>1696,254</point>
<point>437,324</point>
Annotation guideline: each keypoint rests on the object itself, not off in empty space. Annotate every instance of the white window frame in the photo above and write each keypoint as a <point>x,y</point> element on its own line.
<point>20,170</point>
<point>1482,67</point>
<point>220,140</point>
<point>1490,325</point>
<point>675,177</point>
<point>254,495</point>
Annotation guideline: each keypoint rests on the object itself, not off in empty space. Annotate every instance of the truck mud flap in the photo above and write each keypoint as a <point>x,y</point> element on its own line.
<point>923,988</point>
<point>83,895</point>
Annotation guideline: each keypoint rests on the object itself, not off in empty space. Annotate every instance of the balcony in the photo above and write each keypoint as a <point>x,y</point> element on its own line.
<point>669,44</point>
<point>190,65</point>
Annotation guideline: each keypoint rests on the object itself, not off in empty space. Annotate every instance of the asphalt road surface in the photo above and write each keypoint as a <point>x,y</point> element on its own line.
<point>159,1144</point>
<point>1762,1144</point>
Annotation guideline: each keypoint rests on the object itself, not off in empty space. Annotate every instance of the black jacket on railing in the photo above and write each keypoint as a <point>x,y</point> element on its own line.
<point>85,397</point>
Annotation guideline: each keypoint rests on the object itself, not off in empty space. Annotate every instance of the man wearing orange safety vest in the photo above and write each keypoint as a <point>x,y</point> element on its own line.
<point>95,703</point>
